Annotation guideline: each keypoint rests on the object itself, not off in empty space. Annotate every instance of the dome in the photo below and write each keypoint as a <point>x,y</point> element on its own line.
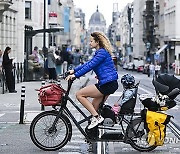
<point>97,18</point>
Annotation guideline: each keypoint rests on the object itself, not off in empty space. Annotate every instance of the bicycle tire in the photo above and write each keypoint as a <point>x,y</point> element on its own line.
<point>54,140</point>
<point>138,139</point>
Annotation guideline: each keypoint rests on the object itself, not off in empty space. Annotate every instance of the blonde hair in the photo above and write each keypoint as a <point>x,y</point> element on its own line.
<point>103,41</point>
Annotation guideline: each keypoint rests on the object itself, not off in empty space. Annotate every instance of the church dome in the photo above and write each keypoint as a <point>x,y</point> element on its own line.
<point>97,18</point>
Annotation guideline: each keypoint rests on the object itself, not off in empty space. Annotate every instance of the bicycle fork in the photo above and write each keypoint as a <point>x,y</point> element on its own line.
<point>53,127</point>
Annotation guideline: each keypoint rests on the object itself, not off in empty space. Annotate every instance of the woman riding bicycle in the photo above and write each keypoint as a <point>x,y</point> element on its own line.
<point>103,65</point>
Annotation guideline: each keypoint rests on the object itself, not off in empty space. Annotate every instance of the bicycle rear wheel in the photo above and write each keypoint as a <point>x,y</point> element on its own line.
<point>138,135</point>
<point>46,138</point>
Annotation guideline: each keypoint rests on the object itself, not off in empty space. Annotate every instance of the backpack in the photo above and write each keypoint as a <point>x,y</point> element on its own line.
<point>155,124</point>
<point>108,113</point>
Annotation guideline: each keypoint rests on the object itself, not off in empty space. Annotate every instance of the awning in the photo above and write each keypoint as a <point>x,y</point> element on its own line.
<point>161,49</point>
<point>49,30</point>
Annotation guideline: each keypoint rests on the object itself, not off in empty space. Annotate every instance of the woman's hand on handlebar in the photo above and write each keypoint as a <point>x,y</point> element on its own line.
<point>70,77</point>
<point>71,72</point>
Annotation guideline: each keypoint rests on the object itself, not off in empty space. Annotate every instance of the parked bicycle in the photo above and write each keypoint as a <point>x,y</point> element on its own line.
<point>51,130</point>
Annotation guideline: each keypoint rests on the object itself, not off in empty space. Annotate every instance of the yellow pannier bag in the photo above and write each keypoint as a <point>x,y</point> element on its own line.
<point>155,124</point>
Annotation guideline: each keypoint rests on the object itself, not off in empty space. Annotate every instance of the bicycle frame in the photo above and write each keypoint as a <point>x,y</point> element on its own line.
<point>64,109</point>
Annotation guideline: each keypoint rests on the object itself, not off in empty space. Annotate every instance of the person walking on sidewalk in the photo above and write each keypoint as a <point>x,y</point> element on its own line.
<point>51,65</point>
<point>8,67</point>
<point>102,64</point>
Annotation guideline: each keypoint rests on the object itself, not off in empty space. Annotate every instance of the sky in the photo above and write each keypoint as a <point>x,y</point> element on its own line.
<point>105,7</point>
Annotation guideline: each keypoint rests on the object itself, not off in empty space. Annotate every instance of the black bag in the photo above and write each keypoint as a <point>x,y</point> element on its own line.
<point>154,106</point>
<point>108,113</point>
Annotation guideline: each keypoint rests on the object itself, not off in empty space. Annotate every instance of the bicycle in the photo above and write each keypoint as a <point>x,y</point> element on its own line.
<point>52,130</point>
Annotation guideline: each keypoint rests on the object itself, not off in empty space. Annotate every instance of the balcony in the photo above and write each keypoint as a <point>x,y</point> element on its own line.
<point>4,5</point>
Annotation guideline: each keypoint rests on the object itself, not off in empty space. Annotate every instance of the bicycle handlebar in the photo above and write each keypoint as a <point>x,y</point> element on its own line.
<point>64,75</point>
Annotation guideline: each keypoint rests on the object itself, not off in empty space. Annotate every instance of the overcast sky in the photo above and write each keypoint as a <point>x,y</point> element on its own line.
<point>105,7</point>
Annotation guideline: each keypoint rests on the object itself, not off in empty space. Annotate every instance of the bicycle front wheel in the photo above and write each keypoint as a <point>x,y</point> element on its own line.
<point>138,135</point>
<point>47,138</point>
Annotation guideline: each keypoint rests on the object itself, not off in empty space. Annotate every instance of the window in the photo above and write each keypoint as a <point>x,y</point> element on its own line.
<point>27,10</point>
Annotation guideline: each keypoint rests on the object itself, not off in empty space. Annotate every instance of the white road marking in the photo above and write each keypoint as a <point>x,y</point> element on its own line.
<point>148,92</point>
<point>2,114</point>
<point>116,94</point>
<point>69,153</point>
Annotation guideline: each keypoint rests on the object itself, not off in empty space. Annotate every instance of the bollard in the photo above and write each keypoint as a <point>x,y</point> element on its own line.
<point>42,106</point>
<point>22,105</point>
<point>59,82</point>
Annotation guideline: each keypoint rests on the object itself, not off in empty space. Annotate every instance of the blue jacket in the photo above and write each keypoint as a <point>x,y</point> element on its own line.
<point>102,64</point>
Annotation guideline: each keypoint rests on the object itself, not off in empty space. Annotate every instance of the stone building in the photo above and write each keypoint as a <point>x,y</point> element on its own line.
<point>97,22</point>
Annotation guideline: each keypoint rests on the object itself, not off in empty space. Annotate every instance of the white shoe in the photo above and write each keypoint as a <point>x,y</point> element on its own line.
<point>95,121</point>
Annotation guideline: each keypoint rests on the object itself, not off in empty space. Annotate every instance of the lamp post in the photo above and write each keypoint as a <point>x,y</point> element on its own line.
<point>44,26</point>
<point>44,35</point>
<point>129,47</point>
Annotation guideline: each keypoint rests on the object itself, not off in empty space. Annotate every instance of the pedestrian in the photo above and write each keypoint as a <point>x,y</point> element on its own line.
<point>67,57</point>
<point>35,52</point>
<point>1,59</point>
<point>70,61</point>
<point>133,67</point>
<point>157,68</point>
<point>8,67</point>
<point>77,58</point>
<point>59,62</point>
<point>34,68</point>
<point>103,65</point>
<point>151,69</point>
<point>51,65</point>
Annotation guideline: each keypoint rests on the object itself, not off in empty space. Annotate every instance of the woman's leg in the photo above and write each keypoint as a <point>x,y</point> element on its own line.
<point>93,92</point>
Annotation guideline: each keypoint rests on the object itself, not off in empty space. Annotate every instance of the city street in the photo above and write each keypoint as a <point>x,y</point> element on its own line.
<point>15,137</point>
<point>40,39</point>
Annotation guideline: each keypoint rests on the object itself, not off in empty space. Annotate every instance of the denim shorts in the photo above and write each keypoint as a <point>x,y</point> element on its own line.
<point>107,88</point>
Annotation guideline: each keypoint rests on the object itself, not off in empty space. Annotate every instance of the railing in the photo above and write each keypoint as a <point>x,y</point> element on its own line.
<point>18,72</point>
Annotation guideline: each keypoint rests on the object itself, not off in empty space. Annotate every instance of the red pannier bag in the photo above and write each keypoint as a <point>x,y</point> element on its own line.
<point>50,95</point>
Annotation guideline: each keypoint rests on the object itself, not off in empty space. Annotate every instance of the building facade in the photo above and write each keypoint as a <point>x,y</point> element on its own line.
<point>138,44</point>
<point>12,28</point>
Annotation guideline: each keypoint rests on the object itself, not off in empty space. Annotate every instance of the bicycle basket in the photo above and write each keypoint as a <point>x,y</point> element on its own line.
<point>50,95</point>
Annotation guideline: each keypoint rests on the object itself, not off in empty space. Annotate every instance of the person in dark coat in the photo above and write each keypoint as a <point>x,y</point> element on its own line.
<point>8,67</point>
